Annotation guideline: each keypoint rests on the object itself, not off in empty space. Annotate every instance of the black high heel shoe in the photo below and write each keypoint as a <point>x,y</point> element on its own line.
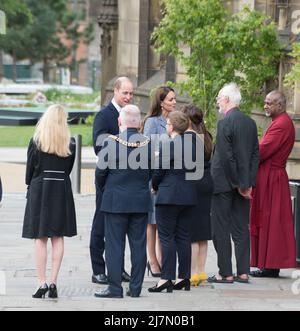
<point>184,284</point>
<point>165,286</point>
<point>41,292</point>
<point>53,292</point>
<point>153,274</point>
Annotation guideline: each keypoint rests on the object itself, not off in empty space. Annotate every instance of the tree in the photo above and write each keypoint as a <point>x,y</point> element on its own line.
<point>52,26</point>
<point>43,37</point>
<point>74,32</point>
<point>18,16</point>
<point>293,76</point>
<point>46,45</point>
<point>242,48</point>
<point>11,7</point>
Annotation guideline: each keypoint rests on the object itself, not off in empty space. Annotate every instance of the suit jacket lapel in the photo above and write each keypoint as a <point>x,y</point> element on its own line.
<point>113,108</point>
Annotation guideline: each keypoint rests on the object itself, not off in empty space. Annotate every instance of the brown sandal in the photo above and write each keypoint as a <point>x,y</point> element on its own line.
<point>239,279</point>
<point>223,280</point>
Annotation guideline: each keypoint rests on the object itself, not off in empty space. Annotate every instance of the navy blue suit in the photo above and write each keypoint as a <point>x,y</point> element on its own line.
<point>175,197</point>
<point>126,202</point>
<point>106,122</point>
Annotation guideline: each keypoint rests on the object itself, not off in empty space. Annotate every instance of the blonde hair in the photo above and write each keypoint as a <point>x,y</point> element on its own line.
<point>52,134</point>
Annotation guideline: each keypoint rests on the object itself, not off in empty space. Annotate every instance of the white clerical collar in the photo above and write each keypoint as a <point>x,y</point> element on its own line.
<point>113,101</point>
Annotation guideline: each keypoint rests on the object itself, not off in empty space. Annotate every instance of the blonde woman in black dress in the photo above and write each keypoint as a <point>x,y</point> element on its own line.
<point>50,210</point>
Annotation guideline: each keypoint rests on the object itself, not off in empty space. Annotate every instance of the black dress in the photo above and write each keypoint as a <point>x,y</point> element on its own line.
<point>50,209</point>
<point>199,215</point>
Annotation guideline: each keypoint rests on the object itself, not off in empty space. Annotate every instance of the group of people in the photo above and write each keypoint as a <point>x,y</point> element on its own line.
<point>149,195</point>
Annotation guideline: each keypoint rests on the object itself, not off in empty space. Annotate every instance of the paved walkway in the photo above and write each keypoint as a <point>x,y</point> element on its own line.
<point>76,290</point>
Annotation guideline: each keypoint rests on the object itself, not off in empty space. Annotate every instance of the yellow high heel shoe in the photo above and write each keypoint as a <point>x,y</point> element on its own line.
<point>195,280</point>
<point>202,277</point>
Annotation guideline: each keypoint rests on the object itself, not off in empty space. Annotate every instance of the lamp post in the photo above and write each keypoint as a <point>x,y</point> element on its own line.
<point>2,32</point>
<point>2,22</point>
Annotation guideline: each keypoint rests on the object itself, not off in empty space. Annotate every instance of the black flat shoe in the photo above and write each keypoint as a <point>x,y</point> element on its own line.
<point>165,286</point>
<point>265,273</point>
<point>125,277</point>
<point>107,294</point>
<point>153,274</point>
<point>41,292</point>
<point>99,279</point>
<point>52,292</point>
<point>184,284</point>
<point>133,295</point>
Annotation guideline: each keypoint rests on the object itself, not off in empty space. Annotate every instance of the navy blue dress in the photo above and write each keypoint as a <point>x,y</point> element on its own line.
<point>199,215</point>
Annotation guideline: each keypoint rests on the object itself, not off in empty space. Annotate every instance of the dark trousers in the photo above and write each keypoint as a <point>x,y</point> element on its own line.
<point>173,230</point>
<point>230,218</point>
<point>97,243</point>
<point>116,228</point>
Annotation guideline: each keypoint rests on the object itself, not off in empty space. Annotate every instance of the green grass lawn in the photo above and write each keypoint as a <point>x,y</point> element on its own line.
<point>19,136</point>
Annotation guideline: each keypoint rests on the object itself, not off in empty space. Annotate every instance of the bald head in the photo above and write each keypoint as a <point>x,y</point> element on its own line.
<point>123,91</point>
<point>279,97</point>
<point>130,117</point>
<point>275,104</point>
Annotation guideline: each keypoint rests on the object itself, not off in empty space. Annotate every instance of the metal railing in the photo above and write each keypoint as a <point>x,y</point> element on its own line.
<point>76,172</point>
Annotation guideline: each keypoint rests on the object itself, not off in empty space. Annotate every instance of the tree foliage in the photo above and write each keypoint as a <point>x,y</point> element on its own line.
<point>293,76</point>
<point>14,42</point>
<point>46,45</point>
<point>223,47</point>
<point>13,7</point>
<point>44,38</point>
<point>72,30</point>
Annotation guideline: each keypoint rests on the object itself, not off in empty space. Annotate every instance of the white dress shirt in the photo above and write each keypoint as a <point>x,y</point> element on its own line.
<point>113,101</point>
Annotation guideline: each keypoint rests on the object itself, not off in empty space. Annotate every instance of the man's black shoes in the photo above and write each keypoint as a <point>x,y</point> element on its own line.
<point>133,295</point>
<point>99,279</point>
<point>125,277</point>
<point>265,273</point>
<point>102,278</point>
<point>108,294</point>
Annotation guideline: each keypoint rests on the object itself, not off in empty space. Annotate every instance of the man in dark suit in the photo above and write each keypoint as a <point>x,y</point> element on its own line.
<point>106,123</point>
<point>234,167</point>
<point>125,162</point>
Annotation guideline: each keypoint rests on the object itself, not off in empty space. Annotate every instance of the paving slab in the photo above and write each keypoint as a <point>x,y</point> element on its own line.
<point>76,290</point>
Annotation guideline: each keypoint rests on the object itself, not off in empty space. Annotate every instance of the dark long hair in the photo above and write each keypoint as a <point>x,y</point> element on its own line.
<point>155,108</point>
<point>195,115</point>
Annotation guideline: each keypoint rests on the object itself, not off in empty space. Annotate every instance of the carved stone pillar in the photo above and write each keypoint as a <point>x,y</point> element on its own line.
<point>108,22</point>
